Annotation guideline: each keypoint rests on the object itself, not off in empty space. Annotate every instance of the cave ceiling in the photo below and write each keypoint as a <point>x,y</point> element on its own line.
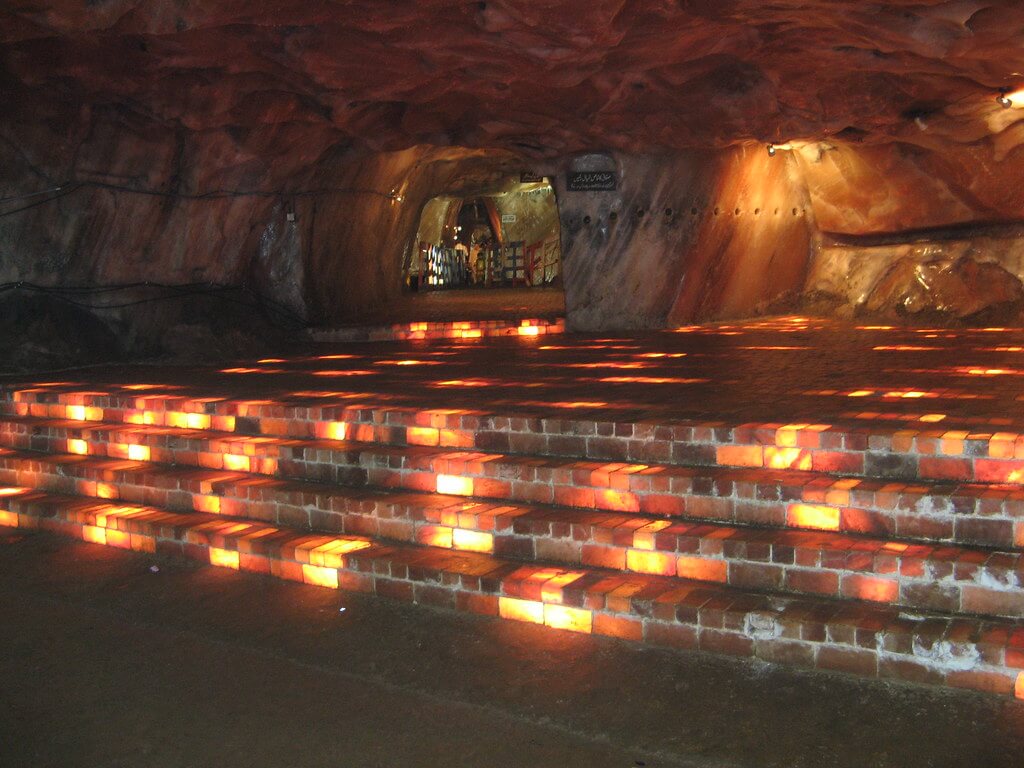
<point>539,77</point>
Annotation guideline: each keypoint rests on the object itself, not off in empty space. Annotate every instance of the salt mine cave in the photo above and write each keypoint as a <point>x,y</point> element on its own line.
<point>557,296</point>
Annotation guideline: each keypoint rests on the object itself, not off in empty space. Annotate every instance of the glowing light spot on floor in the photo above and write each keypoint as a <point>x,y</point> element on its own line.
<point>816,516</point>
<point>472,541</point>
<point>463,383</point>
<point>138,453</point>
<point>455,485</point>
<point>531,611</point>
<point>224,558</point>
<point>572,619</point>
<point>344,373</point>
<point>933,417</point>
<point>266,360</point>
<point>581,404</point>
<point>78,446</point>
<point>320,576</point>
<point>408,362</point>
<point>861,393</point>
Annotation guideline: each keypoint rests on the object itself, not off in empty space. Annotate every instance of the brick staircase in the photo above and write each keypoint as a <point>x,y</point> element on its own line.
<point>887,553</point>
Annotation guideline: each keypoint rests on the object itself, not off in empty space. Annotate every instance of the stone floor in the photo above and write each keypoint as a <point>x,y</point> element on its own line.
<point>107,662</point>
<point>781,370</point>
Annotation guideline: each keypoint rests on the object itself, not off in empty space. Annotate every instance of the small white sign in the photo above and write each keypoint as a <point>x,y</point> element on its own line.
<point>508,218</point>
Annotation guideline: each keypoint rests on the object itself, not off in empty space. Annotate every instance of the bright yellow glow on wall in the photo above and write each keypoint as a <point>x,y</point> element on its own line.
<point>138,453</point>
<point>225,558</point>
<point>422,436</point>
<point>472,541</point>
<point>454,485</point>
<point>78,446</point>
<point>572,619</point>
<point>319,576</point>
<point>521,610</point>
<point>94,534</point>
<point>813,516</point>
<point>236,463</point>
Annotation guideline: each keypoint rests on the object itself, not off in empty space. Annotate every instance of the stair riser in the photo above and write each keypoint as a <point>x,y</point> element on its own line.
<point>805,502</point>
<point>969,656</point>
<point>908,454</point>
<point>913,578</point>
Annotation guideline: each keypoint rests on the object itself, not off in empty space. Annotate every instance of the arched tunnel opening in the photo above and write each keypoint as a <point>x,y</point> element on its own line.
<point>504,237</point>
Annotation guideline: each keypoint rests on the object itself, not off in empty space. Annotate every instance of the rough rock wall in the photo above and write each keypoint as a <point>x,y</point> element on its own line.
<point>685,237</point>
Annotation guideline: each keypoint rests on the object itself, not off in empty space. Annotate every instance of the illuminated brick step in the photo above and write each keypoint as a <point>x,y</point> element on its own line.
<point>992,457</point>
<point>846,636</point>
<point>916,575</point>
<point>933,511</point>
<point>461,329</point>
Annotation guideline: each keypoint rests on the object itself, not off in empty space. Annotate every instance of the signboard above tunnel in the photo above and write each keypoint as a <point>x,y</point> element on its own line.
<point>591,181</point>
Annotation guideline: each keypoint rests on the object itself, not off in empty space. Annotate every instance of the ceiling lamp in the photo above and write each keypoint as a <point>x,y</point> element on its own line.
<point>1007,99</point>
<point>773,148</point>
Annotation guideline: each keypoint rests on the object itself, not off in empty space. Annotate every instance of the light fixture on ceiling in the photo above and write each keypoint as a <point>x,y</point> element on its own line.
<point>774,148</point>
<point>1007,99</point>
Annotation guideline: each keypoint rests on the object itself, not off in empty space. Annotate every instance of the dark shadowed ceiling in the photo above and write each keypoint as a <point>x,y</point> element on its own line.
<point>542,77</point>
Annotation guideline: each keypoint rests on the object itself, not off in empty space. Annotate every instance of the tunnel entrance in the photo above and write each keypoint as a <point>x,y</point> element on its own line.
<point>507,236</point>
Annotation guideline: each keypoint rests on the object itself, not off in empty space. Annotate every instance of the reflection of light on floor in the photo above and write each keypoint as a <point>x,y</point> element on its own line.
<point>345,373</point>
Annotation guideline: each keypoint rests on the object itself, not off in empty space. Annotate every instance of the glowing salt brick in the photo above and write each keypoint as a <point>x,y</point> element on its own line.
<point>422,436</point>
<point>119,539</point>
<point>106,491</point>
<point>642,561</point>
<point>94,534</point>
<point>551,591</point>
<point>813,516</point>
<point>78,446</point>
<point>76,412</point>
<point>702,569</point>
<point>472,541</point>
<point>521,610</point>
<point>224,423</point>
<point>472,334</point>
<point>1018,689</point>
<point>434,536</point>
<point>454,485</point>
<point>210,504</point>
<point>644,537</point>
<point>8,519</point>
<point>138,453</point>
<point>876,590</point>
<point>572,619</point>
<point>319,576</point>
<point>787,458</point>
<point>236,463</point>
<point>740,455</point>
<point>528,330</point>
<point>225,558</point>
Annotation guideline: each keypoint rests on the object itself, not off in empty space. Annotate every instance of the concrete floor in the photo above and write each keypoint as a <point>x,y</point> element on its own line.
<point>107,663</point>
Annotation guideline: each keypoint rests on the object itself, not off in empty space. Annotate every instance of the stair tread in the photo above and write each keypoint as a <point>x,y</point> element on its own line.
<point>510,510</point>
<point>256,537</point>
<point>419,453</point>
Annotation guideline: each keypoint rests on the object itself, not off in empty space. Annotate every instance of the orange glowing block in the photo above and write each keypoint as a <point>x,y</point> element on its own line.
<point>642,561</point>
<point>933,417</point>
<point>816,516</point>
<point>472,334</point>
<point>572,619</point>
<point>138,453</point>
<point>320,577</point>
<point>528,330</point>
<point>236,463</point>
<point>94,534</point>
<point>787,458</point>
<point>335,430</point>
<point>740,455</point>
<point>861,393</point>
<point>12,491</point>
<point>331,554</point>
<point>210,504</point>
<point>78,446</point>
<point>8,519</point>
<point>454,485</point>
<point>225,558</point>
<point>472,541</point>
<point>1018,689</point>
<point>513,608</point>
<point>422,436</point>
<point>877,590</point>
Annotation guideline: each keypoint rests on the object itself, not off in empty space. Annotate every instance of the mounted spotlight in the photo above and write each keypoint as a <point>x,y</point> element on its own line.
<point>1007,99</point>
<point>773,148</point>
